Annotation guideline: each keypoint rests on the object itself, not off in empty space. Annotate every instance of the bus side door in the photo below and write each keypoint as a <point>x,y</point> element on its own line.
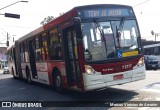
<point>71,56</point>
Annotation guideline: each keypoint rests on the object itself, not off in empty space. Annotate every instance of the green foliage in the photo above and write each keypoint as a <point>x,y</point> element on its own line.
<point>47,20</point>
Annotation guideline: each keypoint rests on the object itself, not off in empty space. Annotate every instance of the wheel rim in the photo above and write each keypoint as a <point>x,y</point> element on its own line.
<point>58,81</point>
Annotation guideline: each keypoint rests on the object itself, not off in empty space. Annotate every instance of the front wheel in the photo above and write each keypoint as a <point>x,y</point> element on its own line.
<point>58,82</point>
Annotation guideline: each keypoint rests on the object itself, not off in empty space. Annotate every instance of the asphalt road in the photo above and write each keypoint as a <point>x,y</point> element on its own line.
<point>144,90</point>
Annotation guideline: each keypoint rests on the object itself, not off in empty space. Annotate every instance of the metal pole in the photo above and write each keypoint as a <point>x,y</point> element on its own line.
<point>7,36</point>
<point>7,43</point>
<point>12,4</point>
<point>9,5</point>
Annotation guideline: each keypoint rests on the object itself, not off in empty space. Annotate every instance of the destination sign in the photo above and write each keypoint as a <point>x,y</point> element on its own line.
<point>92,13</point>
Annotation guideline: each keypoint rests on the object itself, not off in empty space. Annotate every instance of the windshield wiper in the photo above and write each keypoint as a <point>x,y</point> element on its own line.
<point>119,31</point>
<point>121,24</point>
<point>103,39</point>
<point>129,45</point>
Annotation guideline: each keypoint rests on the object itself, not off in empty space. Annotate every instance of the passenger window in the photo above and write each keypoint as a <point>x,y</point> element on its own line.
<point>44,47</point>
<point>38,41</point>
<point>56,52</point>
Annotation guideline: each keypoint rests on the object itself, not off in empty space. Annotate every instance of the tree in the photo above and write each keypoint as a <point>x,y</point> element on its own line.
<point>47,20</point>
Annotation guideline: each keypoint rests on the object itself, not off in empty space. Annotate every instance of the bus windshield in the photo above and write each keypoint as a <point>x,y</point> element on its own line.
<point>119,39</point>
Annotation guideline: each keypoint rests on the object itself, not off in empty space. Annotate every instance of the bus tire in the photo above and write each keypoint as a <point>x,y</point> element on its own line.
<point>58,82</point>
<point>28,76</point>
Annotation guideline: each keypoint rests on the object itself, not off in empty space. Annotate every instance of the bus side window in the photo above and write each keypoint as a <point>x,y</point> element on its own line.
<point>58,52</point>
<point>38,41</point>
<point>22,52</point>
<point>55,46</point>
<point>44,47</point>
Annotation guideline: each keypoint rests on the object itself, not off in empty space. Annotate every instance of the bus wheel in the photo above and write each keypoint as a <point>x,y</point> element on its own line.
<point>28,76</point>
<point>58,82</point>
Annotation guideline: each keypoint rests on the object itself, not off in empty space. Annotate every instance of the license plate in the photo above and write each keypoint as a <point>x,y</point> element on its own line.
<point>120,76</point>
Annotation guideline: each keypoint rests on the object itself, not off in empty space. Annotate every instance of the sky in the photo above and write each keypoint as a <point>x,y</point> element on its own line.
<point>33,12</point>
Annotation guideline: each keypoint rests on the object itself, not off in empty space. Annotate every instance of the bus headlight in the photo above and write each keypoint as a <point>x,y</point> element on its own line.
<point>141,61</point>
<point>89,69</point>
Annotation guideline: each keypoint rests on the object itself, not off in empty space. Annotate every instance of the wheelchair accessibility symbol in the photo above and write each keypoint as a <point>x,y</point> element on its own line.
<point>119,54</point>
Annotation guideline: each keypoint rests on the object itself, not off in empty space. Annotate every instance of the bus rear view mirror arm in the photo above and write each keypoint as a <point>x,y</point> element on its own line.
<point>77,19</point>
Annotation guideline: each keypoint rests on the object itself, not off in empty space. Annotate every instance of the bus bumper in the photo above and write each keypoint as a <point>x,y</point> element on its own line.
<point>98,81</point>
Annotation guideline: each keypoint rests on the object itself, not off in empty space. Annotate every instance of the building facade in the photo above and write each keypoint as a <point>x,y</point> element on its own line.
<point>3,56</point>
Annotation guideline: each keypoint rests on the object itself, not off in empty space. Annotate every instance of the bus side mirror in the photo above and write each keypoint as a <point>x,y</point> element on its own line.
<point>77,19</point>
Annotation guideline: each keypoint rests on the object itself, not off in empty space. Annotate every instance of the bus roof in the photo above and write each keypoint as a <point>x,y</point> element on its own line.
<point>68,15</point>
<point>103,5</point>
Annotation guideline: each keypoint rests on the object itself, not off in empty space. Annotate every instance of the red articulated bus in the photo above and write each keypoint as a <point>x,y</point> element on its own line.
<point>87,48</point>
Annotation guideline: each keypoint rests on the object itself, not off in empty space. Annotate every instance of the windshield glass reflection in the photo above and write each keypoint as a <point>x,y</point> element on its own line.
<point>111,39</point>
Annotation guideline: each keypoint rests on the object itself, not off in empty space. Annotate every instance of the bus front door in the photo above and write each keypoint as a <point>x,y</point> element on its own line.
<point>71,57</point>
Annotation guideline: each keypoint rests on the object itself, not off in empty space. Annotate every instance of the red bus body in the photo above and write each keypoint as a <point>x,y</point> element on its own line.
<point>73,67</point>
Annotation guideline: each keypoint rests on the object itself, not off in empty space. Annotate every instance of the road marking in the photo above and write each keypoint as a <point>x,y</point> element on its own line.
<point>151,90</point>
<point>157,99</point>
<point>155,87</point>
